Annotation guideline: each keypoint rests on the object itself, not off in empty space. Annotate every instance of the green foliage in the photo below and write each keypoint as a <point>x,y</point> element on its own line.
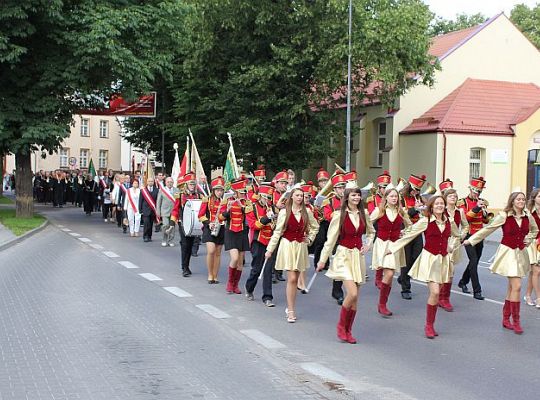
<point>440,26</point>
<point>258,68</point>
<point>528,21</point>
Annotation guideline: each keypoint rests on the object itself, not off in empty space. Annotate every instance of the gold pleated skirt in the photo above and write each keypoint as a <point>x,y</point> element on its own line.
<point>292,256</point>
<point>379,259</point>
<point>534,254</point>
<point>431,268</point>
<point>512,263</point>
<point>347,265</point>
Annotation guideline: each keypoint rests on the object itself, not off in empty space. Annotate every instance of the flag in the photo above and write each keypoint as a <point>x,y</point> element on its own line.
<point>230,171</point>
<point>149,171</point>
<point>185,163</point>
<point>175,173</point>
<point>91,168</point>
<point>196,163</point>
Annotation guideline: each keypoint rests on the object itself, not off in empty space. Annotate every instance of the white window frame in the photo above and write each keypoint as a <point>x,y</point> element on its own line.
<point>83,158</point>
<point>476,162</point>
<point>104,129</point>
<point>379,157</point>
<point>85,127</point>
<point>64,157</point>
<point>103,159</point>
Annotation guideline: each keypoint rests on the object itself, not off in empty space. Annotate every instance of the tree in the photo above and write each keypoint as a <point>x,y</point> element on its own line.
<point>528,21</point>
<point>268,72</point>
<point>440,26</point>
<point>59,56</point>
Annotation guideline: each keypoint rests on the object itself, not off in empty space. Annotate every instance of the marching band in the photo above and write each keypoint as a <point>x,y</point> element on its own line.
<point>419,234</point>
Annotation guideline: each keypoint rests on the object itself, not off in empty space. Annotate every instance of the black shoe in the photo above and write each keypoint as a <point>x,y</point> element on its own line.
<point>478,296</point>
<point>279,276</point>
<point>186,272</point>
<point>146,240</point>
<point>339,300</point>
<point>406,295</point>
<point>274,280</point>
<point>463,287</point>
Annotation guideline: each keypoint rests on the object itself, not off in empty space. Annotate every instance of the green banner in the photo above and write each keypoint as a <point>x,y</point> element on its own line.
<point>230,170</point>
<point>92,169</point>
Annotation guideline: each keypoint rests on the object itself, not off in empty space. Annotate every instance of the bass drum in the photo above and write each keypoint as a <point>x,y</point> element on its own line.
<point>190,218</point>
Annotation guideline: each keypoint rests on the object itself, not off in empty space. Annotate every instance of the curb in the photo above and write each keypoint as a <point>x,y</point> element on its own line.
<point>24,236</point>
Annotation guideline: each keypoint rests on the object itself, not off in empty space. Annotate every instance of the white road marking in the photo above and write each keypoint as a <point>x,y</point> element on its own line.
<point>85,240</point>
<point>111,254</point>
<point>96,246</point>
<point>74,234</point>
<point>151,277</point>
<point>127,264</point>
<point>322,372</point>
<point>60,226</point>
<point>213,311</point>
<point>177,291</point>
<point>66,229</point>
<point>263,339</point>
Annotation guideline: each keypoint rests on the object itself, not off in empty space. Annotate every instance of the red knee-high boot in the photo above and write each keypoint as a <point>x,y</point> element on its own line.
<point>444,297</point>
<point>515,317</point>
<point>507,312</point>
<point>230,281</point>
<point>238,274</point>
<point>383,299</point>
<point>431,312</point>
<point>378,277</point>
<point>342,324</point>
<point>350,320</point>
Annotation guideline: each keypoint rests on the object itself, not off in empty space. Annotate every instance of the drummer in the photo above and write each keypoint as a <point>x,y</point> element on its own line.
<point>187,193</point>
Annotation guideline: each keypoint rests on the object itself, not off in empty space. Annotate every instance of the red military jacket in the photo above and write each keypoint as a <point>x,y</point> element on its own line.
<point>179,204</point>
<point>236,216</point>
<point>373,202</point>
<point>476,220</point>
<point>261,226</point>
<point>410,202</point>
<point>333,204</point>
<point>209,209</point>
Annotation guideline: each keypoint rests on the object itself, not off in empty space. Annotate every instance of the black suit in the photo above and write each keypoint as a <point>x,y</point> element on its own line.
<point>147,212</point>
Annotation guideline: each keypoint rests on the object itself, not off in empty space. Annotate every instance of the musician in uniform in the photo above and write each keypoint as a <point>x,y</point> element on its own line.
<point>331,204</point>
<point>475,209</point>
<point>322,179</point>
<point>280,181</point>
<point>213,230</point>
<point>164,206</point>
<point>188,184</point>
<point>373,201</point>
<point>147,207</point>
<point>413,203</point>
<point>261,221</point>
<point>236,232</point>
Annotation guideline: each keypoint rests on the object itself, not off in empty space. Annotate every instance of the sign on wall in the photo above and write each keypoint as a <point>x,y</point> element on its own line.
<point>499,156</point>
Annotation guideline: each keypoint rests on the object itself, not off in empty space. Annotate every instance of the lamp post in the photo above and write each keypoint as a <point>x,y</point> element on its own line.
<point>348,136</point>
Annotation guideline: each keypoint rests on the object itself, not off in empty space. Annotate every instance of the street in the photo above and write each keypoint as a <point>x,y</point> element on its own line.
<point>90,313</point>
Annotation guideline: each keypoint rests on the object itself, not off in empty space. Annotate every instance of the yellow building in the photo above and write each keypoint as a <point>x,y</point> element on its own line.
<point>495,50</point>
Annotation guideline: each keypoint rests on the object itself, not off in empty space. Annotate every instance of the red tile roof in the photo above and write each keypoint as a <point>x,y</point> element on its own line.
<point>480,107</point>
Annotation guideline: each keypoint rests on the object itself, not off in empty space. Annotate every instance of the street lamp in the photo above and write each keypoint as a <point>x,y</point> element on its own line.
<point>348,139</point>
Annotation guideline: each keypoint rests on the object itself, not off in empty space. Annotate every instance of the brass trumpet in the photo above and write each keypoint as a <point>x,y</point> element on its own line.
<point>429,192</point>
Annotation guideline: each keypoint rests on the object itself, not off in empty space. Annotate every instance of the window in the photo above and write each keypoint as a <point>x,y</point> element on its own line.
<point>476,162</point>
<point>381,143</point>
<point>102,160</point>
<point>64,157</point>
<point>104,129</point>
<point>85,127</point>
<point>83,159</point>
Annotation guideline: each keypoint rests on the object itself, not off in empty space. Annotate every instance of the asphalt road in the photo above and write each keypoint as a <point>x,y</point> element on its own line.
<point>77,323</point>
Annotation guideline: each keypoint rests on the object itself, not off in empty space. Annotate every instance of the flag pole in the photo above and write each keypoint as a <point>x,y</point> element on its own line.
<point>237,174</point>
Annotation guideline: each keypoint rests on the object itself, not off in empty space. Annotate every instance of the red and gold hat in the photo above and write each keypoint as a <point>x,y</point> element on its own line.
<point>180,180</point>
<point>239,185</point>
<point>190,177</point>
<point>445,185</point>
<point>339,180</point>
<point>266,189</point>
<point>218,183</point>
<point>384,179</point>
<point>281,177</point>
<point>350,176</point>
<point>417,181</point>
<point>478,184</point>
<point>307,187</point>
<point>322,174</point>
<point>260,173</point>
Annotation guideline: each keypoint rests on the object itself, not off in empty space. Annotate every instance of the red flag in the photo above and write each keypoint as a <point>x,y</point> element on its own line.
<point>184,164</point>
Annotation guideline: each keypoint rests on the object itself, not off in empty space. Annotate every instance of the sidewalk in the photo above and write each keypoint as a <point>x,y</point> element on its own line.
<point>5,235</point>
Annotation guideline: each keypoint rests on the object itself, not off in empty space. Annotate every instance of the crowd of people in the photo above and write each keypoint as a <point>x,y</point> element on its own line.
<point>410,233</point>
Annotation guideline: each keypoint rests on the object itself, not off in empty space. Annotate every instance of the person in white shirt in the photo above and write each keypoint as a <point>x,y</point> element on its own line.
<point>131,204</point>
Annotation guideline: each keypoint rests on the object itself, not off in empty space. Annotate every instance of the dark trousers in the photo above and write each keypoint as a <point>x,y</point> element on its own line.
<point>196,244</point>
<point>148,225</point>
<point>186,246</point>
<point>471,272</point>
<point>257,252</point>
<point>119,215</point>
<point>106,209</point>
<point>412,251</point>
<point>337,289</point>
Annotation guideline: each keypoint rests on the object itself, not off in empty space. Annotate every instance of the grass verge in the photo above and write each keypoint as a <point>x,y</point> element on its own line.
<point>5,200</point>
<point>19,226</point>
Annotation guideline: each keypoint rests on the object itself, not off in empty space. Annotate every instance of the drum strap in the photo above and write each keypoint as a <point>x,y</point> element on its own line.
<point>133,206</point>
<point>148,197</point>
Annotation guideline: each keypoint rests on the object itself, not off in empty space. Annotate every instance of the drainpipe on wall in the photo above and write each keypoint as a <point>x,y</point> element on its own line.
<point>444,156</point>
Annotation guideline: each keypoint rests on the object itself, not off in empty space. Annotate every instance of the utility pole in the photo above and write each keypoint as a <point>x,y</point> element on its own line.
<point>348,139</point>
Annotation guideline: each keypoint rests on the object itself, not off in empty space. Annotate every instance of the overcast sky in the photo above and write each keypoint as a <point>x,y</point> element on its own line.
<point>449,8</point>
